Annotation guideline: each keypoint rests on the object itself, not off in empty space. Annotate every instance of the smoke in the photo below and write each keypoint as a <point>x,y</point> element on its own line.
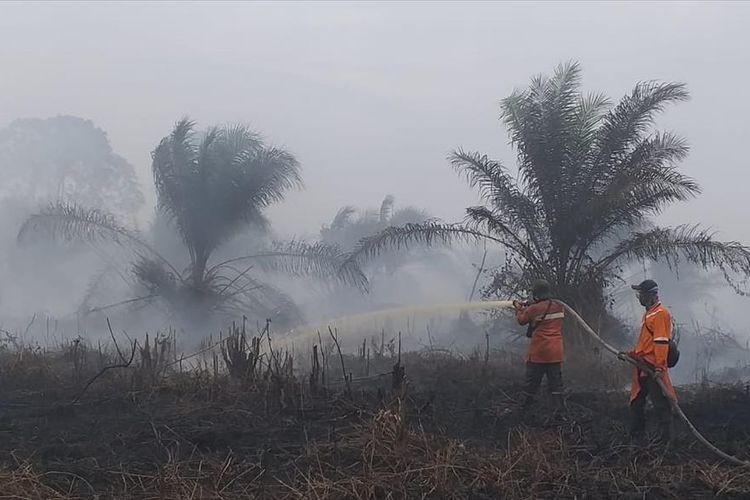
<point>56,159</point>
<point>71,289</point>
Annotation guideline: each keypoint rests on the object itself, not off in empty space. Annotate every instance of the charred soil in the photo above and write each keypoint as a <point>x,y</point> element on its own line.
<point>436,426</point>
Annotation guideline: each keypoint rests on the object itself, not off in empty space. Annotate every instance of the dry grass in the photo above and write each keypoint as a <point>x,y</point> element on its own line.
<point>242,423</point>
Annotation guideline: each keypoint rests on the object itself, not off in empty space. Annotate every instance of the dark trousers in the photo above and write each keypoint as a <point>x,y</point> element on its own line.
<point>535,372</point>
<point>650,389</point>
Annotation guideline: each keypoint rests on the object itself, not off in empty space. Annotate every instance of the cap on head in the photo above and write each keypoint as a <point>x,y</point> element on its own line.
<point>646,286</point>
<point>541,289</point>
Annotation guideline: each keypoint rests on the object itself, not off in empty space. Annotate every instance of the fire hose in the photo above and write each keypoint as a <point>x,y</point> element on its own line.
<point>675,406</point>
<point>590,331</point>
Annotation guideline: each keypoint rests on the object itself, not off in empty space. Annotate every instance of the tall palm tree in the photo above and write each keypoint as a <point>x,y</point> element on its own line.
<point>590,177</point>
<point>210,188</point>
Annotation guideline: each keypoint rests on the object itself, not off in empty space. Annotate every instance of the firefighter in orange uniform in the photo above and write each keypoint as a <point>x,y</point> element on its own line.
<point>544,318</point>
<point>652,348</point>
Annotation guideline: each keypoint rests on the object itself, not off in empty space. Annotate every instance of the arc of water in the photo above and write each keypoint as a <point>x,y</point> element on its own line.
<point>467,306</point>
<point>312,330</point>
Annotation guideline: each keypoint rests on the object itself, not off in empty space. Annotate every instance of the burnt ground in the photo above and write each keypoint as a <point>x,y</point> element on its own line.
<point>452,428</point>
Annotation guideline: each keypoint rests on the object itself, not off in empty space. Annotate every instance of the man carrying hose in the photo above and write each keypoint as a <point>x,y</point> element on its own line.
<point>544,318</point>
<point>651,350</point>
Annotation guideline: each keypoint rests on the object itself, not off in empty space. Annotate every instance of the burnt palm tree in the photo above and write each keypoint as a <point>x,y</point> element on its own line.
<point>210,189</point>
<point>590,177</point>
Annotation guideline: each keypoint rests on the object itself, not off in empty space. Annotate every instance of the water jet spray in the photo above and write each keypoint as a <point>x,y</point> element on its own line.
<point>358,319</point>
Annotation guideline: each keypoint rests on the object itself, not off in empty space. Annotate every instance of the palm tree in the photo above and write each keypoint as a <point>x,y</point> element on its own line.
<point>350,226</point>
<point>209,189</point>
<point>590,177</point>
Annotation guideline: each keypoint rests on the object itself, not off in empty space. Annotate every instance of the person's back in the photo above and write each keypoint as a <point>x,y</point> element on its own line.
<point>656,331</point>
<point>544,318</point>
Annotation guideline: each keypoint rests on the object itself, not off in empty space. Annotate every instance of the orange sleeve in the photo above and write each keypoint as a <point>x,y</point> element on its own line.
<point>526,314</point>
<point>522,315</point>
<point>662,334</point>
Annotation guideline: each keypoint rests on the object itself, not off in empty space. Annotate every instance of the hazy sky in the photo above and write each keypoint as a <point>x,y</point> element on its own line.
<point>372,96</point>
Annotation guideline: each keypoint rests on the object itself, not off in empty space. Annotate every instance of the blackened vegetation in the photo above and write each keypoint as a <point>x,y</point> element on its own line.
<point>243,423</point>
<point>243,418</point>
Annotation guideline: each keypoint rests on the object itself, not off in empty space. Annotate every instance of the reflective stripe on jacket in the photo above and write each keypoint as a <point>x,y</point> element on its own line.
<point>652,347</point>
<point>546,344</point>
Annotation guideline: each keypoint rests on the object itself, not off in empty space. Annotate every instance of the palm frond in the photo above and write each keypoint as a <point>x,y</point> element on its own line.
<point>259,300</point>
<point>386,209</point>
<point>590,112</point>
<point>655,152</point>
<point>566,81</point>
<point>543,122</point>
<point>86,310</point>
<point>691,243</point>
<point>343,217</point>
<point>428,233</point>
<point>266,175</point>
<point>304,259</point>
<point>69,222</point>
<point>484,220</point>
<point>409,215</point>
<point>646,183</point>
<point>155,277</point>
<point>482,173</point>
<point>173,159</point>
<point>240,191</point>
<point>206,149</point>
<point>523,116</point>
<point>174,165</point>
<point>498,188</point>
<point>631,118</point>
<point>239,137</point>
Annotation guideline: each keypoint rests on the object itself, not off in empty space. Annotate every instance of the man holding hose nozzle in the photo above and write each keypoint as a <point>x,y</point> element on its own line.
<point>544,318</point>
<point>651,349</point>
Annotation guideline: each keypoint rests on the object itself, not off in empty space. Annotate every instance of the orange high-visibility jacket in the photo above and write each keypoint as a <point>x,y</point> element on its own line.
<point>653,346</point>
<point>546,344</point>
